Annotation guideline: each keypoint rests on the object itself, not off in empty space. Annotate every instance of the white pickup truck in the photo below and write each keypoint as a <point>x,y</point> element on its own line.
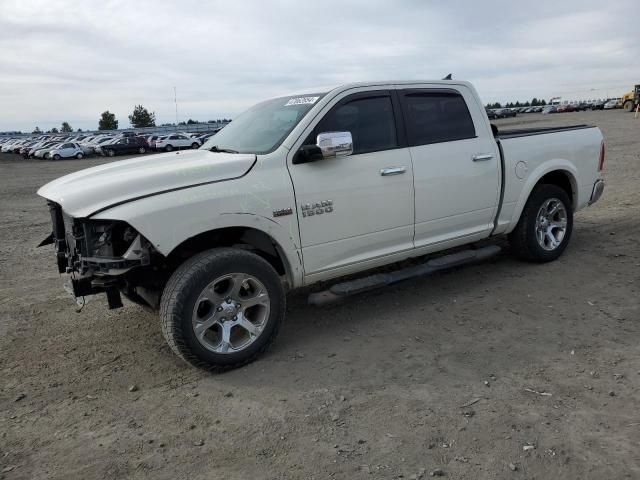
<point>307,188</point>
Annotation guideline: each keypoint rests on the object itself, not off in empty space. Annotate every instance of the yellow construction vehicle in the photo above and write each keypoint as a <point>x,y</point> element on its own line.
<point>631,100</point>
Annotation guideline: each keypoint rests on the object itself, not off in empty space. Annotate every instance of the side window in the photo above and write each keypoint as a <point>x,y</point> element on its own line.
<point>67,145</point>
<point>437,116</point>
<point>370,121</point>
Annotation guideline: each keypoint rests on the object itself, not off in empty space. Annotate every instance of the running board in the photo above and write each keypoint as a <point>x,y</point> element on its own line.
<point>378,280</point>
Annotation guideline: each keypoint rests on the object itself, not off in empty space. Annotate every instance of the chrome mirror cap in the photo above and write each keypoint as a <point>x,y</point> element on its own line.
<point>335,144</point>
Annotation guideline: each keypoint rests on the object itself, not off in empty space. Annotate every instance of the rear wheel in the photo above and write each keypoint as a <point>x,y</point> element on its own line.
<point>141,150</point>
<point>222,308</point>
<point>56,157</point>
<point>545,226</point>
<point>111,152</point>
<point>195,145</point>
<point>79,155</point>
<point>169,148</point>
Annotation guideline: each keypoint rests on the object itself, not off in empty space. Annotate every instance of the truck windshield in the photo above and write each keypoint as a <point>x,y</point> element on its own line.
<point>263,127</point>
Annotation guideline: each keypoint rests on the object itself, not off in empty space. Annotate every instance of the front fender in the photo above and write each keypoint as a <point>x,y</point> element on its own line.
<point>167,220</point>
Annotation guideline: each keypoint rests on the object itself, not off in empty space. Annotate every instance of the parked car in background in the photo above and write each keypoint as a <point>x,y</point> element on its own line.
<point>567,107</point>
<point>176,141</point>
<point>154,139</point>
<point>24,149</point>
<point>491,114</point>
<point>549,109</point>
<point>66,150</point>
<point>7,147</point>
<point>611,104</point>
<point>44,152</point>
<point>598,104</point>
<point>505,112</point>
<point>30,153</point>
<point>94,145</point>
<point>121,146</point>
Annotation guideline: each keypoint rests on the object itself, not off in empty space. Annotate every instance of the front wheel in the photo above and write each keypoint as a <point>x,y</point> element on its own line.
<point>222,308</point>
<point>111,152</point>
<point>168,148</point>
<point>79,156</point>
<point>195,145</point>
<point>56,157</point>
<point>545,226</point>
<point>141,150</point>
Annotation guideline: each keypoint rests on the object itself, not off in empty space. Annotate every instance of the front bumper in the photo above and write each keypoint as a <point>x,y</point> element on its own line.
<point>91,274</point>
<point>596,193</point>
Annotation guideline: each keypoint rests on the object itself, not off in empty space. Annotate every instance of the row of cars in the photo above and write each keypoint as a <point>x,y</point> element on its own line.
<point>493,113</point>
<point>611,103</point>
<point>79,146</point>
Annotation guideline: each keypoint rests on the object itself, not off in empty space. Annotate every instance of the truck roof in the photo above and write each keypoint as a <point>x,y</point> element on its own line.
<point>376,83</point>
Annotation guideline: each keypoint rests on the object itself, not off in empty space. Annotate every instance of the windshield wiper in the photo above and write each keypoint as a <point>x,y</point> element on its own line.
<point>222,150</point>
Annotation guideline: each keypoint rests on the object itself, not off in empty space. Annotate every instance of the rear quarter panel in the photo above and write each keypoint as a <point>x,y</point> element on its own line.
<point>529,158</point>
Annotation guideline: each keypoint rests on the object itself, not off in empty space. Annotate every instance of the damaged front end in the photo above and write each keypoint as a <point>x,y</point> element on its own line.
<point>101,256</point>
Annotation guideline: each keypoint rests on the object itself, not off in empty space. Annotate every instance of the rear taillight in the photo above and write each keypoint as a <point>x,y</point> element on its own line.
<point>601,160</point>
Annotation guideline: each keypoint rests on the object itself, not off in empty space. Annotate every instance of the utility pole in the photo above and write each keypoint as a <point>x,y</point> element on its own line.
<point>175,99</point>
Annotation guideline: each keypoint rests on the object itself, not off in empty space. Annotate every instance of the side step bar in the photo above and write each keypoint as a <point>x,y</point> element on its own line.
<point>378,280</point>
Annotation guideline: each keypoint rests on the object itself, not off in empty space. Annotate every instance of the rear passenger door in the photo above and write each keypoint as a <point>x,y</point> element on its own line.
<point>455,163</point>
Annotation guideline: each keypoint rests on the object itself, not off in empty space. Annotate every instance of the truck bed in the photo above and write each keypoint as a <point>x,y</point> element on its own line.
<point>525,158</point>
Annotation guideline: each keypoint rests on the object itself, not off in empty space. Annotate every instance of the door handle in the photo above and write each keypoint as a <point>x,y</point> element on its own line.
<point>483,157</point>
<point>392,171</point>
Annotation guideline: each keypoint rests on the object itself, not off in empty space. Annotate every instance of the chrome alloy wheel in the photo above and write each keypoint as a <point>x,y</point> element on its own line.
<point>231,313</point>
<point>551,224</point>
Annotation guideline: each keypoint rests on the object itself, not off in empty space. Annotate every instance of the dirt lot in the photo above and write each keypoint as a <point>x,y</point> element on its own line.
<point>373,388</point>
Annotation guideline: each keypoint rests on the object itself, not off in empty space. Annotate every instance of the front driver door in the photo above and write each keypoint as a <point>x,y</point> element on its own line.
<point>358,207</point>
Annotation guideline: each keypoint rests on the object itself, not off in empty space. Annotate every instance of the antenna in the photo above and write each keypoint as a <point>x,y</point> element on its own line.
<point>175,99</point>
<point>448,77</point>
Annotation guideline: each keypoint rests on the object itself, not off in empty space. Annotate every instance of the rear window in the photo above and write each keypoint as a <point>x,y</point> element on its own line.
<point>436,116</point>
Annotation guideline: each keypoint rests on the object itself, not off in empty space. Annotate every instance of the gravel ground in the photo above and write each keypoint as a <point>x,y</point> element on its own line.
<point>495,371</point>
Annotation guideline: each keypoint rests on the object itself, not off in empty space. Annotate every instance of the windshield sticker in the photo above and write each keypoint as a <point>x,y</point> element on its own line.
<point>301,101</point>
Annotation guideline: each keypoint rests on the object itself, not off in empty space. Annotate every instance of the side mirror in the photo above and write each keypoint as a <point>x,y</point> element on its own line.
<point>335,144</point>
<point>328,145</point>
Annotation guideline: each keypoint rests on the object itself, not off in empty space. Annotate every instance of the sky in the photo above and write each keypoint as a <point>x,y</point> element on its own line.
<point>71,60</point>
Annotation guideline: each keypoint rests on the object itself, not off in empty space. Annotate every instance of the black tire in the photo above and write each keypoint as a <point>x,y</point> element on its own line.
<point>169,148</point>
<point>523,239</point>
<point>56,157</point>
<point>141,150</point>
<point>628,106</point>
<point>195,145</point>
<point>79,156</point>
<point>183,288</point>
<point>111,152</point>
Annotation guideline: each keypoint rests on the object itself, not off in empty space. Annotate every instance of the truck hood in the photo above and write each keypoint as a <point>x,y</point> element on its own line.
<point>83,193</point>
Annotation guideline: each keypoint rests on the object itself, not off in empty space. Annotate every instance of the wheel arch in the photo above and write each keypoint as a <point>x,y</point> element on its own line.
<point>560,173</point>
<point>249,238</point>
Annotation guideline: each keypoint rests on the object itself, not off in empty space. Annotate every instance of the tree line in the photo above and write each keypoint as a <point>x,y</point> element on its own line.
<point>533,103</point>
<point>139,118</point>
